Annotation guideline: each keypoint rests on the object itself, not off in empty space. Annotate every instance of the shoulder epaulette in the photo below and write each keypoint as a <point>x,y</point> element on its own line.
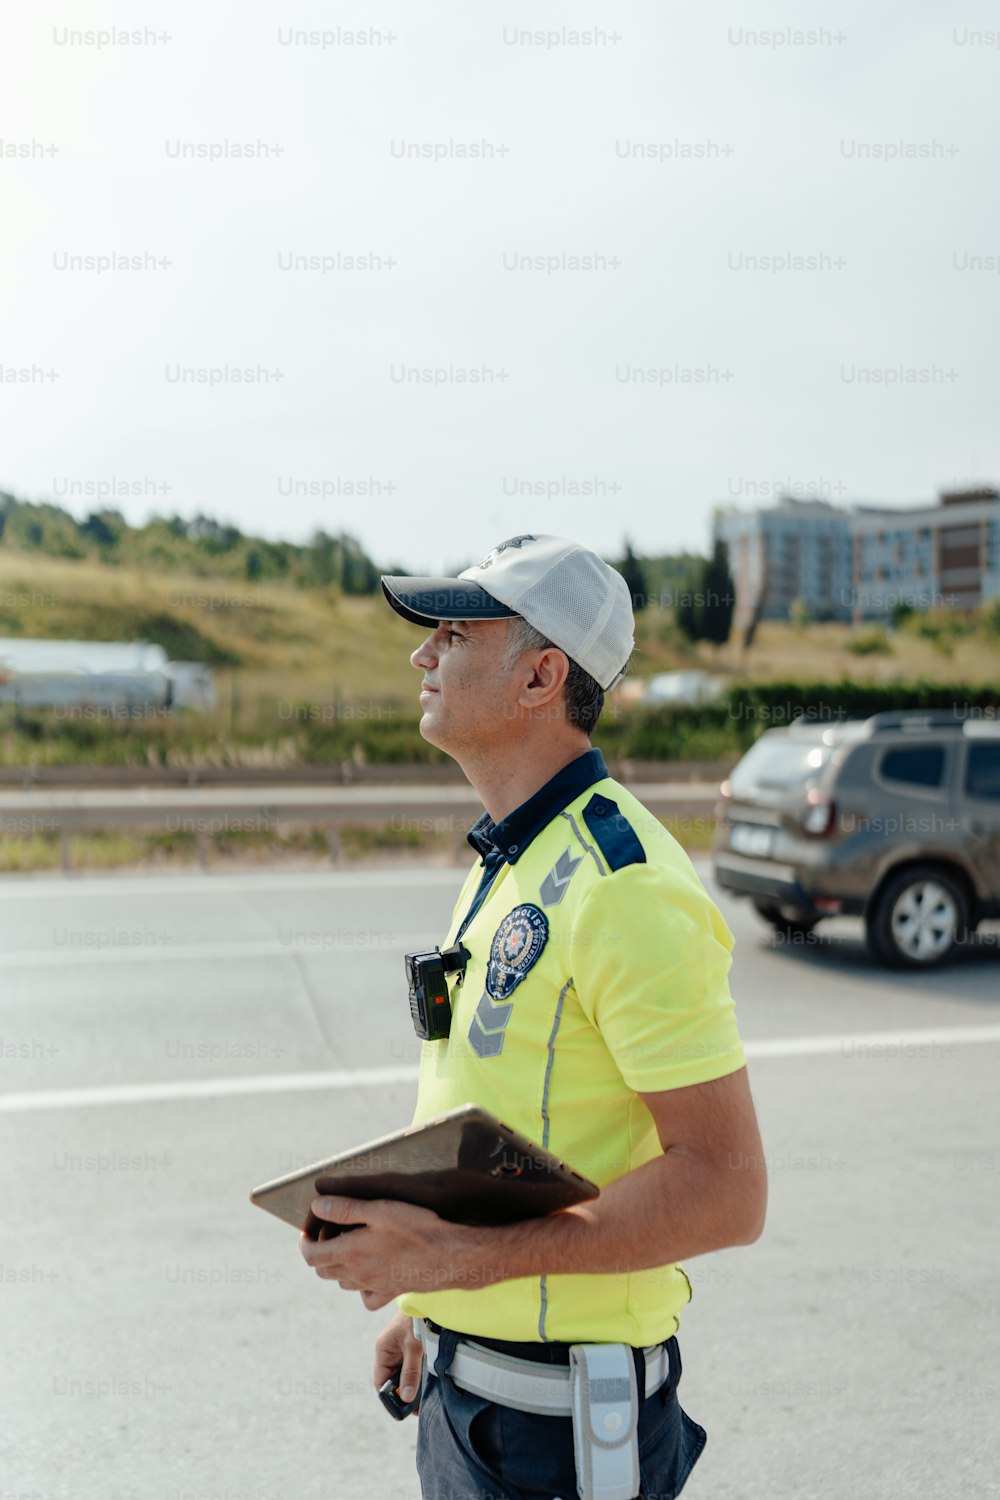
<point>613,833</point>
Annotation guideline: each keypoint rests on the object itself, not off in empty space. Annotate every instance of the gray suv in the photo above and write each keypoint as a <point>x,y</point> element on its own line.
<point>895,818</point>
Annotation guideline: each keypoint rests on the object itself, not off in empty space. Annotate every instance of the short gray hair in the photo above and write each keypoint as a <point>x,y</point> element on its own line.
<point>583,696</point>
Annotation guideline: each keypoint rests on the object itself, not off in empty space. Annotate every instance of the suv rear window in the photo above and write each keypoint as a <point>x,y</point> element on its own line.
<point>982,771</point>
<point>917,765</point>
<point>778,764</point>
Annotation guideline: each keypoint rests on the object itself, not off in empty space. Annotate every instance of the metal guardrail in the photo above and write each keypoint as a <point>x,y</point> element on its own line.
<point>204,811</point>
<point>335,773</point>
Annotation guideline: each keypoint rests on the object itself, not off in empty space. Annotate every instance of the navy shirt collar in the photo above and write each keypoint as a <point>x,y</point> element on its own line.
<point>512,835</point>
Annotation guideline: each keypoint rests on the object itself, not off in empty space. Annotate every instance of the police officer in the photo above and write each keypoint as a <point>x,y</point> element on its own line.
<point>594,1015</point>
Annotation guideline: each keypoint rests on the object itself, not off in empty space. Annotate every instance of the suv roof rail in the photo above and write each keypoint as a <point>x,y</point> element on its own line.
<point>918,719</point>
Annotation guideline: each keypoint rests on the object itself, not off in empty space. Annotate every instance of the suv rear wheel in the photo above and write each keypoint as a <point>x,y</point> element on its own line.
<point>790,926</point>
<point>918,919</point>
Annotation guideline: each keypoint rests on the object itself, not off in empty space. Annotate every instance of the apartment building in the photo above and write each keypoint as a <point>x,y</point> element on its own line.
<point>857,562</point>
<point>794,549</point>
<point>944,556</point>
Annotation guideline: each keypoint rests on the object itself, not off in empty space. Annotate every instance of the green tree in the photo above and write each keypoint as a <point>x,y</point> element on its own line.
<point>634,575</point>
<point>100,527</point>
<point>686,609</point>
<point>714,613</point>
<point>798,614</point>
<point>323,561</point>
<point>200,545</point>
<point>358,573</point>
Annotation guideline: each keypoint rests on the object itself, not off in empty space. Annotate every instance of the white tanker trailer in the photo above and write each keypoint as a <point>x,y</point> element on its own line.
<point>100,674</point>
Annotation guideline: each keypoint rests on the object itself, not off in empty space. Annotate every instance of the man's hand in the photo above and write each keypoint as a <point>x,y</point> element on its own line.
<point>707,1190</point>
<point>398,1248</point>
<point>396,1346</point>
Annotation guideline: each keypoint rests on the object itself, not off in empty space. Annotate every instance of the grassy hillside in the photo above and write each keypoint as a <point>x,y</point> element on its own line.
<point>254,626</point>
<point>290,664</point>
<point>299,671</point>
<point>938,647</point>
<point>285,641</point>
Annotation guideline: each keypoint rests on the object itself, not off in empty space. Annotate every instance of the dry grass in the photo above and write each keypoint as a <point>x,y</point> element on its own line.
<point>295,646</point>
<point>820,652</point>
<point>360,845</point>
<point>289,642</point>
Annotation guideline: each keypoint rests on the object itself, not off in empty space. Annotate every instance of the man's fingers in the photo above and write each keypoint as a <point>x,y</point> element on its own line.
<point>340,1210</point>
<point>409,1380</point>
<point>322,1256</point>
<point>319,1252</point>
<point>390,1346</point>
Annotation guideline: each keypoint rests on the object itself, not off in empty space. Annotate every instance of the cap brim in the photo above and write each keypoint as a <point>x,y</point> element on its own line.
<point>425,601</point>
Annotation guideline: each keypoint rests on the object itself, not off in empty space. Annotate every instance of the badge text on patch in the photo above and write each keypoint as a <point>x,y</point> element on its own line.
<point>517,945</point>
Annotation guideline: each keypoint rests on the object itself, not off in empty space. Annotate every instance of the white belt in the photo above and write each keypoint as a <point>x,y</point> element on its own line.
<point>522,1383</point>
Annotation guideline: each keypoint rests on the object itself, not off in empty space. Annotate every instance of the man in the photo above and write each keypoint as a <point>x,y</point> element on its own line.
<point>594,1015</point>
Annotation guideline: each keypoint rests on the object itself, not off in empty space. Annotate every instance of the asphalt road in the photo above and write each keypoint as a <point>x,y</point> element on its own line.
<point>166,1043</point>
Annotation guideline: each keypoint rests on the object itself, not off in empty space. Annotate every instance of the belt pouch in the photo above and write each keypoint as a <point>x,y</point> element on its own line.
<point>605,1401</point>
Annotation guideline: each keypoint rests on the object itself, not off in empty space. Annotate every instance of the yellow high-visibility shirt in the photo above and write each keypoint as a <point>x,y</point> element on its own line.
<point>598,971</point>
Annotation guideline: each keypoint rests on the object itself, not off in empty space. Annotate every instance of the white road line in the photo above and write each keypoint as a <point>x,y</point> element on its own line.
<point>206,1088</point>
<point>249,948</point>
<point>872,1042</point>
<point>866,1044</point>
<point>75,887</point>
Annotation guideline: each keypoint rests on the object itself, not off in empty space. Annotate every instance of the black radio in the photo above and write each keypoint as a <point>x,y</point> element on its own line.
<point>430,1003</point>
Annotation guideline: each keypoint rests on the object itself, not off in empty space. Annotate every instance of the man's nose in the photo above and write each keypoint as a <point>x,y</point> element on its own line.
<point>425,655</point>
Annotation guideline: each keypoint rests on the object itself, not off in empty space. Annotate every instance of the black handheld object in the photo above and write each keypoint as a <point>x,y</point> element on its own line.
<point>430,1002</point>
<point>393,1402</point>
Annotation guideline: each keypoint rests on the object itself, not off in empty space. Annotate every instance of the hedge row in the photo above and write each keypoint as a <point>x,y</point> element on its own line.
<point>689,732</point>
<point>389,735</point>
<point>853,700</point>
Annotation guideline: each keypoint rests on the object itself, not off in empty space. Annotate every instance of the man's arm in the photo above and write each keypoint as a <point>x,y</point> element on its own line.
<point>708,1190</point>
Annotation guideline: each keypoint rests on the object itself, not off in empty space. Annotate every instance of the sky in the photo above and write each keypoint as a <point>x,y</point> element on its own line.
<point>583,269</point>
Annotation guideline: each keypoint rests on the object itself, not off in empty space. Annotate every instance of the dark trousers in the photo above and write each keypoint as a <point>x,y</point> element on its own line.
<point>471,1448</point>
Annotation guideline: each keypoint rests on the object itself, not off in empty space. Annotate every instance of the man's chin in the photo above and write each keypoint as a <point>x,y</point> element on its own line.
<point>428,730</point>
<point>435,733</point>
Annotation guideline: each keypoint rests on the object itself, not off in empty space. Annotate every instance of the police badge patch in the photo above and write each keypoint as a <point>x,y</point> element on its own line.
<point>517,945</point>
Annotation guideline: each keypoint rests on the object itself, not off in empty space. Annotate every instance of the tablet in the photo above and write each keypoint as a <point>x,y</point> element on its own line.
<point>466,1165</point>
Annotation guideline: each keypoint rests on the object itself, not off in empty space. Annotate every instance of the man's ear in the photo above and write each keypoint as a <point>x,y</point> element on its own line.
<point>551,670</point>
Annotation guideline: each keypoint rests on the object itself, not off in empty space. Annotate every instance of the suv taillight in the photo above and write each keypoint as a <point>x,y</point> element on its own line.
<point>819,814</point>
<point>722,806</point>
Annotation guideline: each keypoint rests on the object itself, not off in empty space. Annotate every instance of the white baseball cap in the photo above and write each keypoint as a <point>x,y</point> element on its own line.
<point>569,594</point>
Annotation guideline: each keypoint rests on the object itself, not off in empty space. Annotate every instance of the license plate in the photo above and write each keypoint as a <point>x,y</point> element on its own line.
<point>750,838</point>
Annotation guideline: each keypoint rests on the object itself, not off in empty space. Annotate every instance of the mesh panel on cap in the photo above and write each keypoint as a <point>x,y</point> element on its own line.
<point>572,602</point>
